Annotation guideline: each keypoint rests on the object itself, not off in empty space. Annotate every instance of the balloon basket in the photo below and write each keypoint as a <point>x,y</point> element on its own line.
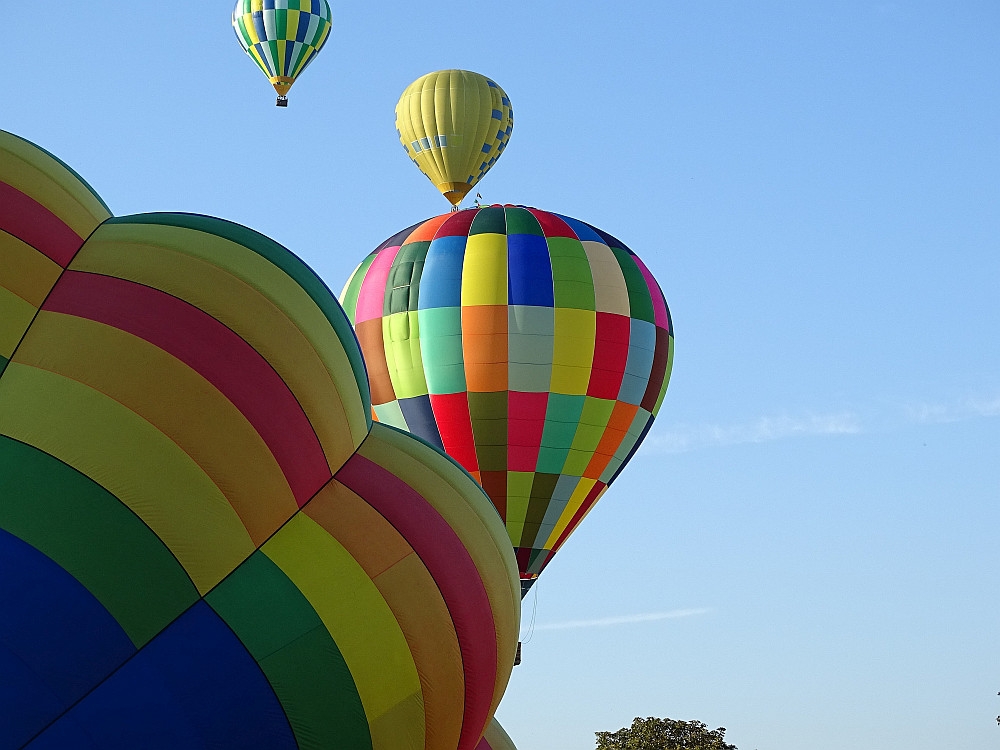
<point>282,101</point>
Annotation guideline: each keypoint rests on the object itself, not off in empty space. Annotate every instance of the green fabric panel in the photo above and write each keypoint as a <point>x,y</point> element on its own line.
<point>298,62</point>
<point>639,302</point>
<point>577,462</point>
<point>349,297</point>
<point>441,349</point>
<point>3,365</point>
<point>404,278</point>
<point>281,23</point>
<point>666,377</point>
<point>391,414</point>
<point>572,279</point>
<point>551,459</point>
<point>489,221</point>
<point>519,484</point>
<point>489,429</point>
<point>522,221</point>
<point>279,59</point>
<point>287,262</point>
<point>94,537</point>
<point>306,669</point>
<point>593,423</point>
<point>561,419</point>
<point>401,339</point>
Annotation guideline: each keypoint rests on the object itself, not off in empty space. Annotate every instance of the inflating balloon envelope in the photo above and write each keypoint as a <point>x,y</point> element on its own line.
<point>204,540</point>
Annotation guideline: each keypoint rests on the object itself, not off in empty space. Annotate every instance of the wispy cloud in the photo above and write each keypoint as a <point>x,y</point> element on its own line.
<point>605,622</point>
<point>937,413</point>
<point>681,438</point>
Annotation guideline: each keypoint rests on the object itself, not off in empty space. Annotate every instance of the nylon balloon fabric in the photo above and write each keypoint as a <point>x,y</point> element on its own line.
<point>454,125</point>
<point>282,36</point>
<point>204,539</point>
<point>496,738</point>
<point>532,347</point>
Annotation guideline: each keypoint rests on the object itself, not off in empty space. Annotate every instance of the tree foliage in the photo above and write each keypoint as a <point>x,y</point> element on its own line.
<point>664,734</point>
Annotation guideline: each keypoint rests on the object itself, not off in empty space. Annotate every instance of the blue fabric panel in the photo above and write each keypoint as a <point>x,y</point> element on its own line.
<point>65,733</point>
<point>56,640</point>
<point>529,271</point>
<point>585,232</point>
<point>419,418</point>
<point>194,686</point>
<point>441,282</point>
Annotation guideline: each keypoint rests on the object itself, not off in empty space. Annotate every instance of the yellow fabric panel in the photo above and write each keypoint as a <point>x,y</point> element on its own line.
<point>414,598</point>
<point>468,511</point>
<point>134,461</point>
<point>15,317</point>
<point>610,290</point>
<point>48,181</point>
<point>258,301</point>
<point>497,738</point>
<point>176,400</point>
<point>362,625</point>
<point>575,501</point>
<point>573,350</point>
<point>26,272</point>
<point>484,274</point>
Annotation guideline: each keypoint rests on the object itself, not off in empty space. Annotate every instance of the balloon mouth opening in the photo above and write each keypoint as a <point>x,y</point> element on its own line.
<point>455,191</point>
<point>282,84</point>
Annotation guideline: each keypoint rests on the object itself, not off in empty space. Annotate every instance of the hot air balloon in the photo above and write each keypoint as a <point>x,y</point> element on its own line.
<point>282,37</point>
<point>532,347</point>
<point>204,539</point>
<point>496,738</point>
<point>454,125</point>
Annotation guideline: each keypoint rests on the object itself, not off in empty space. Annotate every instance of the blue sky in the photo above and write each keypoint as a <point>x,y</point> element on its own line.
<point>805,550</point>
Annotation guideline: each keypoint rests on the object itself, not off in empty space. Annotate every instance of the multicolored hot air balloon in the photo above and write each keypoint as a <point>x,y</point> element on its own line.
<point>204,540</point>
<point>454,124</point>
<point>496,738</point>
<point>282,37</point>
<point>532,347</point>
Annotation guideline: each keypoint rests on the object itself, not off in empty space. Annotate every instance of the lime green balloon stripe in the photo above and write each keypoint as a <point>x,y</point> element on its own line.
<point>95,537</point>
<point>303,663</point>
<point>401,335</point>
<point>572,277</point>
<point>403,284</point>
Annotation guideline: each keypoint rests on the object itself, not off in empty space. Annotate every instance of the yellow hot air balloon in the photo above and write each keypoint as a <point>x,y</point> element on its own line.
<point>454,124</point>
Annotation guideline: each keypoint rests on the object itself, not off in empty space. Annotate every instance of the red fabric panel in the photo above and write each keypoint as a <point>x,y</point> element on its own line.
<point>495,485</point>
<point>525,424</point>
<point>523,555</point>
<point>552,225</point>
<point>457,224</point>
<point>451,566</point>
<point>659,370</point>
<point>610,355</point>
<point>578,516</point>
<point>451,412</point>
<point>216,353</point>
<point>32,223</point>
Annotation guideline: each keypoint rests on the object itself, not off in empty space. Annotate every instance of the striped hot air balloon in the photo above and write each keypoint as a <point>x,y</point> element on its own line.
<point>532,347</point>
<point>204,539</point>
<point>282,37</point>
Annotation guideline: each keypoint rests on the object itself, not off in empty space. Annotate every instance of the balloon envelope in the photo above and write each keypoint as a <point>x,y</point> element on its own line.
<point>454,125</point>
<point>204,540</point>
<point>282,38</point>
<point>532,347</point>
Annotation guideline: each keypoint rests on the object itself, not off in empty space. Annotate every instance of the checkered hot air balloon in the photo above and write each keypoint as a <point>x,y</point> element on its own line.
<point>282,37</point>
<point>531,347</point>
